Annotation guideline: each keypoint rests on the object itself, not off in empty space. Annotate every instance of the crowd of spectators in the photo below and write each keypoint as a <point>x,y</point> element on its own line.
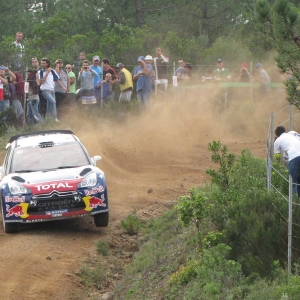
<point>51,91</point>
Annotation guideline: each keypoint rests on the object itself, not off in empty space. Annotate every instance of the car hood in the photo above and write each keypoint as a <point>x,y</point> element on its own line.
<point>54,175</point>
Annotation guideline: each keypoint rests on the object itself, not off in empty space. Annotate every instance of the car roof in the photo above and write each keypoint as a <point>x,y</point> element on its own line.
<point>35,138</point>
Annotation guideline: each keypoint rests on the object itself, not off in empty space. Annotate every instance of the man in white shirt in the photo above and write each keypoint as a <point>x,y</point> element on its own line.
<point>289,143</point>
<point>47,78</point>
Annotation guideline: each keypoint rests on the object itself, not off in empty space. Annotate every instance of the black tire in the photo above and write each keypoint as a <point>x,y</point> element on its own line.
<point>10,227</point>
<point>101,220</point>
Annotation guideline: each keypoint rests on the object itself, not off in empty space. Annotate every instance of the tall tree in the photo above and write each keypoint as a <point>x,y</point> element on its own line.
<point>281,21</point>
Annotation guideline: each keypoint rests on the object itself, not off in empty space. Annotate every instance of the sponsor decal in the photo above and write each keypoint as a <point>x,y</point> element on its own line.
<point>19,210</point>
<point>93,202</point>
<point>94,190</point>
<point>34,220</point>
<point>15,199</point>
<point>52,186</point>
<point>57,213</point>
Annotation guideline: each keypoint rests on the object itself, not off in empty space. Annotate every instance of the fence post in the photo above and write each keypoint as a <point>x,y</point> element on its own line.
<point>270,152</point>
<point>290,226</point>
<point>291,117</point>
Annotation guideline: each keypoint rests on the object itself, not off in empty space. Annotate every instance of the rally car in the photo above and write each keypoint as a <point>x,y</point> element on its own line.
<point>49,175</point>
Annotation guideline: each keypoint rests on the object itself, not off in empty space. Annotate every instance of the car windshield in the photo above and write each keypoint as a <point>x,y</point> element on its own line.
<point>57,156</point>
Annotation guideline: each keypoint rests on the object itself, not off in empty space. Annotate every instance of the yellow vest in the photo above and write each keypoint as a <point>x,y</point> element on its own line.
<point>128,80</point>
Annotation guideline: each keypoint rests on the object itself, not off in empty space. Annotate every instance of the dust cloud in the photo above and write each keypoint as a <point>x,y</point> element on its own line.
<point>171,126</point>
<point>164,147</point>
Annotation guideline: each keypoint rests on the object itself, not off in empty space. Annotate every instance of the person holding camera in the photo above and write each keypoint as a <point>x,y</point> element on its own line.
<point>86,79</point>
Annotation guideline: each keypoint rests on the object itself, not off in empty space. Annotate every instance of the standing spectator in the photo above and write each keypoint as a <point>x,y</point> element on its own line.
<point>47,78</point>
<point>61,93</point>
<point>18,64</point>
<point>108,69</point>
<point>33,98</point>
<point>71,98</point>
<point>86,79</point>
<point>43,102</point>
<point>264,79</point>
<point>244,75</point>
<point>105,87</point>
<point>180,70</point>
<point>290,144</point>
<point>81,58</point>
<point>4,104</point>
<point>17,94</point>
<point>149,60</point>
<point>95,66</point>
<point>126,83</point>
<point>142,76</point>
<point>161,70</point>
<point>222,75</point>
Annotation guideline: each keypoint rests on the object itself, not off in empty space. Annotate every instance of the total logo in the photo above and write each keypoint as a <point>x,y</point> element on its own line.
<point>59,185</point>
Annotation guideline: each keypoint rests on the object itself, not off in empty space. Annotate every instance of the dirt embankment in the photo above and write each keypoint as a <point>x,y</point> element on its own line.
<point>148,160</point>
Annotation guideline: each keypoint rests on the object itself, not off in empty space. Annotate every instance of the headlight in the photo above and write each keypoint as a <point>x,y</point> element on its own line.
<point>17,188</point>
<point>88,181</point>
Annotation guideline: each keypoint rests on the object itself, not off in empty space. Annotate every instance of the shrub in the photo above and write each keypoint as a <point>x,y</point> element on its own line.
<point>131,224</point>
<point>102,247</point>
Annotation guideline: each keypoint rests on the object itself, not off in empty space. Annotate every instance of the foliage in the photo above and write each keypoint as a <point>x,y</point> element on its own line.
<point>92,276</point>
<point>102,247</point>
<point>281,21</point>
<point>220,156</point>
<point>131,225</point>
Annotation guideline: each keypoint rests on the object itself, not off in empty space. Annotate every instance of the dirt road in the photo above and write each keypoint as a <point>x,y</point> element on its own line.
<point>149,160</point>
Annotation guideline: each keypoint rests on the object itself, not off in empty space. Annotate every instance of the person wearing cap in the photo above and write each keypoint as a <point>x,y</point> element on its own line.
<point>126,83</point>
<point>142,75</point>
<point>221,75</point>
<point>161,70</point>
<point>96,67</point>
<point>149,60</point>
<point>264,78</point>
<point>61,90</point>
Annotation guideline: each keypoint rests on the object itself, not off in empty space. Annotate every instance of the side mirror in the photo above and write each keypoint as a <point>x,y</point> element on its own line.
<point>95,159</point>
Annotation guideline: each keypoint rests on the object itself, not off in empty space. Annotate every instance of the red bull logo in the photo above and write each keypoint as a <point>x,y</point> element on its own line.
<point>93,202</point>
<point>19,210</point>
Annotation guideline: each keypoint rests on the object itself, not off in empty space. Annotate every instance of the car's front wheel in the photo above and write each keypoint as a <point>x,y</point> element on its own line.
<point>101,220</point>
<point>10,227</point>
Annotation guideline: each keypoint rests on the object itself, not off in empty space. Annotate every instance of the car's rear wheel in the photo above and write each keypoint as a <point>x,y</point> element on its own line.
<point>101,220</point>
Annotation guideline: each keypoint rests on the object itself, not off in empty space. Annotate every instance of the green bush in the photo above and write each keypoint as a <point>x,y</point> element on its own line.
<point>102,247</point>
<point>131,224</point>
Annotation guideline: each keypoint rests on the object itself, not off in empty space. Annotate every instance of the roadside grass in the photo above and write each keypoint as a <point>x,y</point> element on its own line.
<point>218,243</point>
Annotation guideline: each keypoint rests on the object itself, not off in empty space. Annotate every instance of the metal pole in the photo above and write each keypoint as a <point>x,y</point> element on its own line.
<point>290,226</point>
<point>270,153</point>
<point>291,117</point>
